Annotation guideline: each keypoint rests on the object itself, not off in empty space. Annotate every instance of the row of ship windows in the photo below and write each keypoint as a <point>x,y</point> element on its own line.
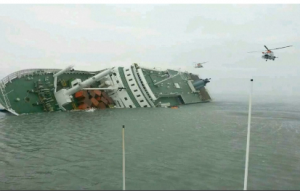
<point>129,75</point>
<point>129,105</point>
<point>133,90</point>
<point>137,96</point>
<point>146,90</point>
<point>129,80</point>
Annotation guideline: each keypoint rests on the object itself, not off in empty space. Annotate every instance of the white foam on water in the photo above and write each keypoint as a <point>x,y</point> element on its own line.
<point>90,110</point>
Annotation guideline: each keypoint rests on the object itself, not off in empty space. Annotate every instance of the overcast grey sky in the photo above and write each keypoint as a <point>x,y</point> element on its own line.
<point>94,37</point>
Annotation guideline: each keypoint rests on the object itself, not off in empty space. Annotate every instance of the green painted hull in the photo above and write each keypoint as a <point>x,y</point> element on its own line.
<point>33,92</point>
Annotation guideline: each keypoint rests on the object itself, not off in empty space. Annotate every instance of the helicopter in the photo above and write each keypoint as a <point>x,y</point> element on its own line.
<point>269,55</point>
<point>199,65</point>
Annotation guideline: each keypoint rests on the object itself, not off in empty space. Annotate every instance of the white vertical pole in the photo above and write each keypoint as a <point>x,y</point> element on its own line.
<point>123,145</point>
<point>248,137</point>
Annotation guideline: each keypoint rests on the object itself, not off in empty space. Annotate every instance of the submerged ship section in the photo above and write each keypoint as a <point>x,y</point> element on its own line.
<point>46,90</point>
<point>172,88</point>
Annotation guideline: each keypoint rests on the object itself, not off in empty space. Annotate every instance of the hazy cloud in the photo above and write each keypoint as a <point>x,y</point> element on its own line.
<point>166,36</point>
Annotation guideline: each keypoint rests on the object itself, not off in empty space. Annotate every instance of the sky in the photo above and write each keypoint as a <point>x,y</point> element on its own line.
<point>97,36</point>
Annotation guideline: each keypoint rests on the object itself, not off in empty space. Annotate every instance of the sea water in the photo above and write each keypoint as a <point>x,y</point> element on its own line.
<point>199,146</point>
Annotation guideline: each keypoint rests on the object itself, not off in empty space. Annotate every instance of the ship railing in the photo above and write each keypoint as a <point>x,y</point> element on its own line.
<point>183,75</point>
<point>18,74</point>
<point>21,73</point>
<point>2,103</point>
<point>157,69</point>
<point>6,102</point>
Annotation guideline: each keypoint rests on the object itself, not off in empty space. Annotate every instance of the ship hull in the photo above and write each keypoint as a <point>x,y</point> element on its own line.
<point>47,90</point>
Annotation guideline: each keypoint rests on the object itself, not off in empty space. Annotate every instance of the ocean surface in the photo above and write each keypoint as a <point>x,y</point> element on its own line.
<point>200,146</point>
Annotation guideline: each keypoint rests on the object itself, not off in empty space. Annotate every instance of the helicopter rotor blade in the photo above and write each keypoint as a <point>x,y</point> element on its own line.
<point>254,51</point>
<point>266,47</point>
<point>200,62</point>
<point>281,47</point>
